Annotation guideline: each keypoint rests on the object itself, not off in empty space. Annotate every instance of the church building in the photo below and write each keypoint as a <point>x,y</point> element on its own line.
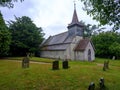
<point>69,45</point>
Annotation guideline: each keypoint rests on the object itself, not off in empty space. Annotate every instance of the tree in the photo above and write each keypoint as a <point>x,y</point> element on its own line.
<point>107,44</point>
<point>104,11</point>
<point>8,3</point>
<point>5,38</point>
<point>89,29</point>
<point>115,49</point>
<point>26,36</point>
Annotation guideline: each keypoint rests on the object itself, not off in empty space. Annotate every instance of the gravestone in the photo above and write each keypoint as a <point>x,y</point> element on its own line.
<point>113,58</point>
<point>65,64</point>
<point>91,86</point>
<point>25,62</point>
<point>104,66</point>
<point>102,85</point>
<point>107,64</point>
<point>55,65</point>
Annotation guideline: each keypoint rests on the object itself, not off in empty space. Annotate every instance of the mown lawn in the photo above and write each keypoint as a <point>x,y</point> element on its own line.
<point>40,76</point>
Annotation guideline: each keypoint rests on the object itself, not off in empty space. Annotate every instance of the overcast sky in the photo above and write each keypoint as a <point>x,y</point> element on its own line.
<point>52,15</point>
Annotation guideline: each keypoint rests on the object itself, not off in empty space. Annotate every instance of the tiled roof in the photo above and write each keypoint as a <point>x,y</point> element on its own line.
<point>58,39</point>
<point>57,42</point>
<point>55,47</point>
<point>82,45</point>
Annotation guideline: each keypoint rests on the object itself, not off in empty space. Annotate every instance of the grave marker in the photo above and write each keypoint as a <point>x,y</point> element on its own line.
<point>91,86</point>
<point>107,64</point>
<point>55,65</point>
<point>25,62</point>
<point>65,64</point>
<point>102,85</point>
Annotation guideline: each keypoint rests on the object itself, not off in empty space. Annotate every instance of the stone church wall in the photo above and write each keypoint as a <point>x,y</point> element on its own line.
<point>69,53</point>
<point>53,54</point>
<point>79,55</point>
<point>89,47</point>
<point>70,50</point>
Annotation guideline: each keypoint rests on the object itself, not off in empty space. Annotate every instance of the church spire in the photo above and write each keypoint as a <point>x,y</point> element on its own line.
<point>74,5</point>
<point>75,17</point>
<point>75,28</point>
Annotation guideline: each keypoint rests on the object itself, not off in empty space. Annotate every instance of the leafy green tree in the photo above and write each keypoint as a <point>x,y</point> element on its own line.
<point>26,36</point>
<point>115,49</point>
<point>106,44</point>
<point>104,11</point>
<point>5,38</point>
<point>8,3</point>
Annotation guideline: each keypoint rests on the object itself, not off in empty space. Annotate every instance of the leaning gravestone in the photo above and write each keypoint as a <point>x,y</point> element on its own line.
<point>65,64</point>
<point>91,86</point>
<point>55,65</point>
<point>25,62</point>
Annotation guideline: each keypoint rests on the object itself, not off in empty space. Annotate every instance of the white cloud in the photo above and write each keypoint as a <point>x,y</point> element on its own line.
<point>52,15</point>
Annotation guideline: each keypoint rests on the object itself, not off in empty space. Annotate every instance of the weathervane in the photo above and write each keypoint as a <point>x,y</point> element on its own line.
<point>74,4</point>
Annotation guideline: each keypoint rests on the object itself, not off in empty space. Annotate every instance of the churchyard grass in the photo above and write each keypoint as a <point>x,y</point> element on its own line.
<point>40,76</point>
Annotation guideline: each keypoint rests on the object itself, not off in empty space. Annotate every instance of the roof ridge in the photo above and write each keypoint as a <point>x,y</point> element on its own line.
<point>59,34</point>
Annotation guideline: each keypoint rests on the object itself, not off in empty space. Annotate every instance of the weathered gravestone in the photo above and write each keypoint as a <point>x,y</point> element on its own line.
<point>91,86</point>
<point>25,62</point>
<point>65,64</point>
<point>113,58</point>
<point>106,65</point>
<point>102,85</point>
<point>55,65</point>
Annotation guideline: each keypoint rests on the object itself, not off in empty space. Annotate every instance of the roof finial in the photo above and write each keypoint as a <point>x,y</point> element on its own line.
<point>74,4</point>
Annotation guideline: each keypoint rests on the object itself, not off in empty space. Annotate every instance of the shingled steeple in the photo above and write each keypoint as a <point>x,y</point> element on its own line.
<point>75,27</point>
<point>75,17</point>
